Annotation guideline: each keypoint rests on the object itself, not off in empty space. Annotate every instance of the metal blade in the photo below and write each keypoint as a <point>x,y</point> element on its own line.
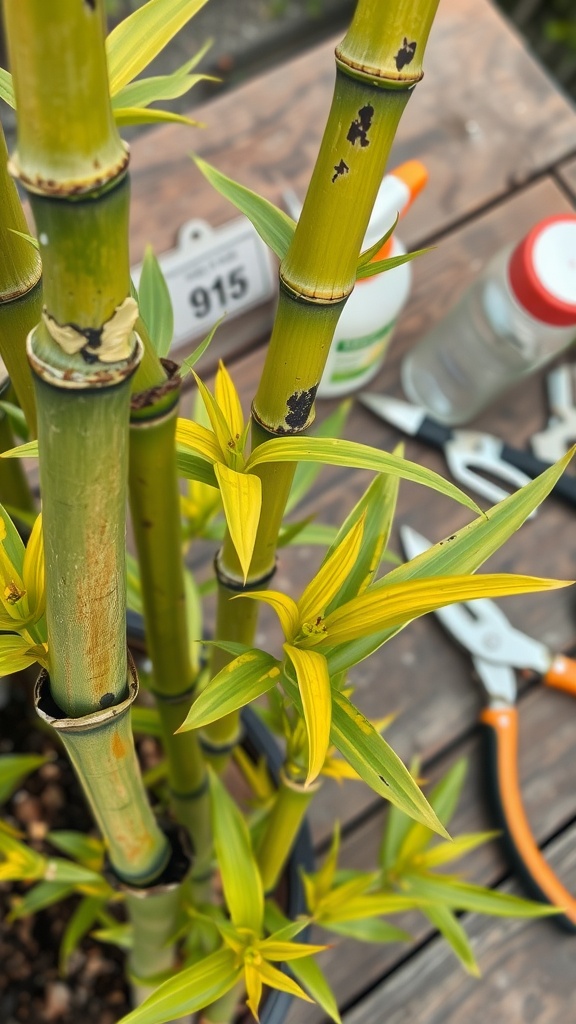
<point>481,627</point>
<point>403,415</point>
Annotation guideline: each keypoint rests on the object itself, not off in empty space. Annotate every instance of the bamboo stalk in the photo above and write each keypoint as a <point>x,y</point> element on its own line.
<point>282,828</point>
<point>155,508</point>
<point>14,487</point>
<point>20,290</point>
<point>377,66</point>
<point>83,354</point>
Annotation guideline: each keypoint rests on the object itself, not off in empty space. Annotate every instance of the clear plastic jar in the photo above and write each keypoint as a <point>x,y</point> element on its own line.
<point>495,335</point>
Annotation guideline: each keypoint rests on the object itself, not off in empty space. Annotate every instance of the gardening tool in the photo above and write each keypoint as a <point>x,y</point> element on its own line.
<point>554,441</point>
<point>497,648</point>
<point>468,450</point>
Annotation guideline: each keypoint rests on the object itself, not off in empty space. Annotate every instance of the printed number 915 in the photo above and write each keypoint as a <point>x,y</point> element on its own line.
<point>223,289</point>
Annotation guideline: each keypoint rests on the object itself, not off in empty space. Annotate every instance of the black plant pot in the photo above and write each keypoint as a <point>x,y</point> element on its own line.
<point>258,742</point>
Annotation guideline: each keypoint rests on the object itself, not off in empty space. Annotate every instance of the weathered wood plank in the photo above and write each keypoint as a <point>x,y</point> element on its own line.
<point>547,779</point>
<point>567,175</point>
<point>478,143</point>
<point>527,972</point>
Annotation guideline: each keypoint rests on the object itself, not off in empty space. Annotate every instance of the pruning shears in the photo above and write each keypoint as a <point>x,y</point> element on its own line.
<point>469,453</point>
<point>497,649</point>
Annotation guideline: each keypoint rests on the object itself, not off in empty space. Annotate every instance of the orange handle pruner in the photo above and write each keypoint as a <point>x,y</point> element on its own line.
<point>504,790</point>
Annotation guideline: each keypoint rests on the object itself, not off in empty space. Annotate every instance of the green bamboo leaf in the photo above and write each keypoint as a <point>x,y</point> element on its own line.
<point>277,979</point>
<point>27,238</point>
<point>155,304</point>
<point>43,895</point>
<point>466,896</point>
<point>193,601</point>
<point>336,452</point>
<point>133,585</point>
<point>396,828</point>
<point>336,901</point>
<point>376,762</point>
<point>145,721</point>
<point>242,501</point>
<point>464,552</point>
<point>324,878</point>
<point>332,574</point>
<point>7,89</point>
<point>373,905</point>
<point>87,850</point>
<point>307,472</point>
<point>120,935</point>
<point>380,266</point>
<point>140,37</point>
<point>376,610</point>
<point>194,467</point>
<point>241,681</point>
<point>444,799</point>
<point>13,769</point>
<point>445,853</point>
<point>370,929</point>
<point>23,451</point>
<point>17,419</point>
<point>84,916</point>
<point>200,349</point>
<point>305,532</point>
<point>16,653</point>
<point>60,870</point>
<point>316,693</point>
<point>274,226</point>
<point>240,876</point>
<point>17,861</point>
<point>368,255</point>
<point>443,919</point>
<point>377,506</point>
<point>124,116</point>
<point>306,971</point>
<point>163,87</point>
<point>189,990</point>
<point>275,949</point>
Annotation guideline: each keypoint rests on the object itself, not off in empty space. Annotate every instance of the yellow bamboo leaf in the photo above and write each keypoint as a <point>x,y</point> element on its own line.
<point>217,420</point>
<point>228,401</point>
<point>331,575</point>
<point>277,979</point>
<point>199,439</point>
<point>142,35</point>
<point>286,609</point>
<point>33,571</point>
<point>253,989</point>
<point>242,501</point>
<point>400,603</point>
<point>274,950</point>
<point>16,653</point>
<point>315,690</point>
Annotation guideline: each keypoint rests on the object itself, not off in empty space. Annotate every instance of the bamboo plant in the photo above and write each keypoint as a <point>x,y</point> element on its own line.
<point>105,404</point>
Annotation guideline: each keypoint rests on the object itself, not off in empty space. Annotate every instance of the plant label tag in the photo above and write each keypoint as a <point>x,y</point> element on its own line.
<point>213,271</point>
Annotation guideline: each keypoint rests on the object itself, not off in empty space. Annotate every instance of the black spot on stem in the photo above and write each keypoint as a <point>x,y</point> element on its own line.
<point>106,700</point>
<point>405,54</point>
<point>358,131</point>
<point>300,404</point>
<point>341,168</point>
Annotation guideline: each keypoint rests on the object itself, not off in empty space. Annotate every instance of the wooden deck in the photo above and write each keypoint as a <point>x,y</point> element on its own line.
<point>500,145</point>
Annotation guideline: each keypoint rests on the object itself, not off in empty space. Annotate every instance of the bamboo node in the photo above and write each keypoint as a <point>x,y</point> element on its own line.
<point>102,376</point>
<point>63,189</point>
<point>171,875</point>
<point>383,77</point>
<point>237,583</point>
<point>50,712</point>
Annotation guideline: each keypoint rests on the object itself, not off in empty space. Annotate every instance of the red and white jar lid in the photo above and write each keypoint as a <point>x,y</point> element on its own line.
<point>542,271</point>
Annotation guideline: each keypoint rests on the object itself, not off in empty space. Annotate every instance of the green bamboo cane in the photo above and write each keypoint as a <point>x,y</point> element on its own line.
<point>20,290</point>
<point>83,353</point>
<point>378,65</point>
<point>155,509</point>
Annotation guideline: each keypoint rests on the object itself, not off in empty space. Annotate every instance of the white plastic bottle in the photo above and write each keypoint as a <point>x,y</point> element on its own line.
<point>518,315</point>
<point>365,327</point>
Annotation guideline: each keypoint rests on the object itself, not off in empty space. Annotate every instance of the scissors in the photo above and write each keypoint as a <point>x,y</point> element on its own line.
<point>497,648</point>
<point>551,443</point>
<point>469,453</point>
